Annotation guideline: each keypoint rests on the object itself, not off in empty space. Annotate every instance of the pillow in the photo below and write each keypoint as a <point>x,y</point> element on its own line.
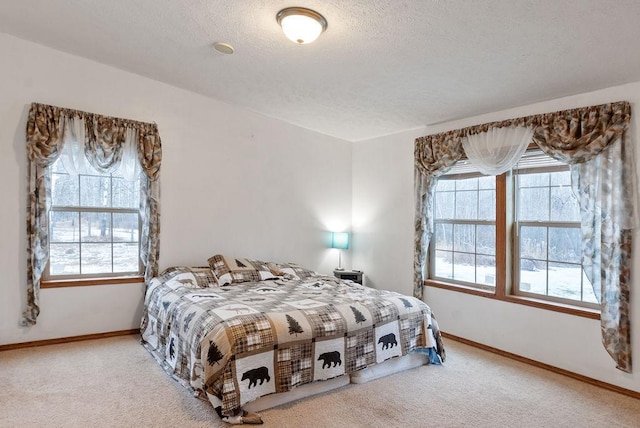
<point>192,277</point>
<point>291,271</point>
<point>234,270</point>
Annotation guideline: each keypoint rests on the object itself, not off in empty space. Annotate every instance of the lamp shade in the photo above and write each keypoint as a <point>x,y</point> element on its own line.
<point>340,240</point>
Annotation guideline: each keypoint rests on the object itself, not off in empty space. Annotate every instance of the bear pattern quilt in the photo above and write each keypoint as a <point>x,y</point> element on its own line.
<point>241,342</point>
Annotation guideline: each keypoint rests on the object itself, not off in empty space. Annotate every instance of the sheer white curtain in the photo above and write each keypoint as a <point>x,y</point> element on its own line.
<point>75,161</point>
<point>72,156</point>
<point>130,165</point>
<point>498,150</point>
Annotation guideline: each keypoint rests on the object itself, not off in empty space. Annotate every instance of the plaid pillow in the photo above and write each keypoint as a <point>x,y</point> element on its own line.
<point>193,277</point>
<point>230,270</point>
<point>291,271</point>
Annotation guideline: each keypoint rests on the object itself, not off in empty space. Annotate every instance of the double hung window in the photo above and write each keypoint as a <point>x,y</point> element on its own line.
<point>529,218</point>
<point>548,238</point>
<point>94,225</point>
<point>464,237</point>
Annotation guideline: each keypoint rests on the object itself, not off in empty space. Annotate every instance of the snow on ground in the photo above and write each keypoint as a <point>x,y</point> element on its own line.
<point>98,255</point>
<point>563,282</point>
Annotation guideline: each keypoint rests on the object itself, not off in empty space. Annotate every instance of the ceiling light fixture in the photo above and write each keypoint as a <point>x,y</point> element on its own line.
<point>301,25</point>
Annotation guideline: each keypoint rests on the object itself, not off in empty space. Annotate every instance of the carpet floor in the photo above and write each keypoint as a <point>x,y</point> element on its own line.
<point>115,382</point>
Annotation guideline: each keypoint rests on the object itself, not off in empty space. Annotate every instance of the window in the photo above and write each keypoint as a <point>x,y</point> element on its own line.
<point>548,244</point>
<point>465,231</point>
<point>94,225</point>
<point>529,218</point>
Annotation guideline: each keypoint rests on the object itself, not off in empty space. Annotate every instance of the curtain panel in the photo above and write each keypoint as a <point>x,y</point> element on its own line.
<point>104,139</point>
<point>593,141</point>
<point>434,155</point>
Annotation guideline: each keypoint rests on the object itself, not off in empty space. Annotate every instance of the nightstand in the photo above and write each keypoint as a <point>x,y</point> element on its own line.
<point>355,276</point>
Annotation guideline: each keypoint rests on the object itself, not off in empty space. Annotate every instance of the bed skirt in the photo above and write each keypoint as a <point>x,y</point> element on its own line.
<point>394,365</point>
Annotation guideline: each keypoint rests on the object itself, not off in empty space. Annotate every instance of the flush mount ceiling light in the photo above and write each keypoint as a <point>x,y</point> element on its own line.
<point>301,25</point>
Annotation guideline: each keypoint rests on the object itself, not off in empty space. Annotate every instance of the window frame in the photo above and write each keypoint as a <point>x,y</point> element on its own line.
<point>517,226</point>
<point>507,246</point>
<point>453,222</point>
<point>82,279</point>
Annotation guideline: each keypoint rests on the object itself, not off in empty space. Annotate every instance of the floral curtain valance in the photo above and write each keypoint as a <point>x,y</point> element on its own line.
<point>574,135</point>
<point>104,138</point>
<point>49,128</point>
<point>594,141</point>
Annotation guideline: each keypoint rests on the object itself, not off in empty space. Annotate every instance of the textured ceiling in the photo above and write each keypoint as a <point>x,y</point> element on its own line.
<point>382,66</point>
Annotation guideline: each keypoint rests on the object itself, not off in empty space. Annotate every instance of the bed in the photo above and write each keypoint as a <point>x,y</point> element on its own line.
<point>246,334</point>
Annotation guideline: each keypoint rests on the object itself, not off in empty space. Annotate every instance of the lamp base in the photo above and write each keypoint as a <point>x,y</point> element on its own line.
<point>339,269</point>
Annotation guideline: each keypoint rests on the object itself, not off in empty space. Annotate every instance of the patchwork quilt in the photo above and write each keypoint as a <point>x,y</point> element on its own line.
<point>240,342</point>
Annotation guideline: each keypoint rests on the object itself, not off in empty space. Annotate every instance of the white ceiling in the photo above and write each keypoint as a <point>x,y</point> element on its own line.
<point>382,66</point>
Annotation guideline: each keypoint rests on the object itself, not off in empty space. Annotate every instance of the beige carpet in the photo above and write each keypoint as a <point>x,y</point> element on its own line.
<point>116,383</point>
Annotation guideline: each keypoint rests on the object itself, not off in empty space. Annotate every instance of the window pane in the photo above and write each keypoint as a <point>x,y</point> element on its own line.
<point>58,166</point>
<point>533,242</point>
<point>464,237</point>
<point>64,190</point>
<point>445,185</point>
<point>587,290</point>
<point>467,205</point>
<point>63,226</point>
<point>444,206</point>
<point>464,267</point>
<point>564,205</point>
<point>486,239</point>
<point>443,236</point>
<point>125,227</point>
<point>467,184</point>
<point>487,182</point>
<point>533,180</point>
<point>444,264</point>
<point>564,281</point>
<point>561,178</point>
<point>64,259</point>
<point>486,270</point>
<point>565,244</point>
<point>125,257</point>
<point>126,194</point>
<point>95,227</point>
<point>96,258</point>
<point>487,205</point>
<point>533,204</point>
<point>533,276</point>
<point>95,191</point>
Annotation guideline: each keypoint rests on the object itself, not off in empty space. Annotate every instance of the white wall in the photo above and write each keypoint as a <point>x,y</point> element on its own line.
<point>383,210</point>
<point>383,215</point>
<point>232,182</point>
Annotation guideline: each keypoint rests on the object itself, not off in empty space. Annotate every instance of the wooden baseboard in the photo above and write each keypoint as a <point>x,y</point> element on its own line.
<point>68,339</point>
<point>586,379</point>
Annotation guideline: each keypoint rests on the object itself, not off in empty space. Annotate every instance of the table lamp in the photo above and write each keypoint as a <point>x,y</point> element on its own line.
<point>340,240</point>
